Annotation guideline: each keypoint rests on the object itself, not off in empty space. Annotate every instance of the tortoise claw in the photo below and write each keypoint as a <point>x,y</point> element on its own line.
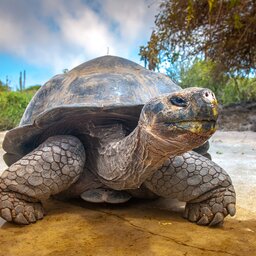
<point>6,214</point>
<point>231,209</point>
<point>21,219</point>
<point>203,221</point>
<point>217,219</point>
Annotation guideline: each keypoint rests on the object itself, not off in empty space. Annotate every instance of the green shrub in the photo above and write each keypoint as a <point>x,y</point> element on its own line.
<point>227,88</point>
<point>12,106</point>
<point>32,89</point>
<point>205,74</point>
<point>239,90</point>
<point>4,87</point>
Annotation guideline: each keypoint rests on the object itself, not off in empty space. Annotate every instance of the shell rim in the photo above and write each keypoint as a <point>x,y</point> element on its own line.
<point>22,135</point>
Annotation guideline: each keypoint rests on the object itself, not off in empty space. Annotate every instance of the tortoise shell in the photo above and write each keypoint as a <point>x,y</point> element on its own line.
<point>105,90</point>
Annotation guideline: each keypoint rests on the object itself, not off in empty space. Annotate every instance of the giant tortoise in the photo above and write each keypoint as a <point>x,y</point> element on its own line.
<point>109,130</point>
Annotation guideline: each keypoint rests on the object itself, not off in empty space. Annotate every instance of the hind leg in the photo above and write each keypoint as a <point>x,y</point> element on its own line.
<point>201,183</point>
<point>49,169</point>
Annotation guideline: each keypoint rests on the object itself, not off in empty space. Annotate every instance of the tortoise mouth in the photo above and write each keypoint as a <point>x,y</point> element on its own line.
<point>194,126</point>
<point>190,121</point>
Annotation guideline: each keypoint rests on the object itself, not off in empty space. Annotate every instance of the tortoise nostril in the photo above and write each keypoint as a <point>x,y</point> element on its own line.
<point>208,96</point>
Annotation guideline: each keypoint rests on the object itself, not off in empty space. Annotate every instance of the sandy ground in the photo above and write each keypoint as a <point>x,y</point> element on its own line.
<point>146,228</point>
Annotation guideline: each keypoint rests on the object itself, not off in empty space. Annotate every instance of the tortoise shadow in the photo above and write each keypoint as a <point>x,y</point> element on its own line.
<point>154,209</point>
<point>138,208</point>
<point>134,208</point>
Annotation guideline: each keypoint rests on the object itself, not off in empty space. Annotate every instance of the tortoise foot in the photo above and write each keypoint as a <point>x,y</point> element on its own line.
<point>212,211</point>
<point>14,208</point>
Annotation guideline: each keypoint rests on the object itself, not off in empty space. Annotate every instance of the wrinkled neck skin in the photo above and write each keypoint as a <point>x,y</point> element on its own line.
<point>127,163</point>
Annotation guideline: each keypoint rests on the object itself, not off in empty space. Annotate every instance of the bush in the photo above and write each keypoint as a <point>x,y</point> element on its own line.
<point>12,107</point>
<point>239,90</point>
<point>227,88</point>
<point>32,89</point>
<point>205,74</point>
<point>4,87</point>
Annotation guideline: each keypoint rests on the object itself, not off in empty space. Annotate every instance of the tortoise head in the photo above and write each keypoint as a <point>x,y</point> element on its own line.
<point>187,117</point>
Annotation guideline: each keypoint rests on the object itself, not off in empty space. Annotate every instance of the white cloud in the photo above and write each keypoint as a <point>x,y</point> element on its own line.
<point>133,17</point>
<point>61,33</point>
<point>87,32</point>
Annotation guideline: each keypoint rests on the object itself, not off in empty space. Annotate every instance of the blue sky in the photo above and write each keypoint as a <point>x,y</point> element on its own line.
<point>44,37</point>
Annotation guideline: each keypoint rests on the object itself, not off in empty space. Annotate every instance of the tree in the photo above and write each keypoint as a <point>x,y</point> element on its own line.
<point>223,31</point>
<point>204,74</point>
<point>228,89</point>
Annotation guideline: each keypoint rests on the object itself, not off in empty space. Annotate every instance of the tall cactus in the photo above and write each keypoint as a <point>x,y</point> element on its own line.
<point>20,81</point>
<point>24,79</point>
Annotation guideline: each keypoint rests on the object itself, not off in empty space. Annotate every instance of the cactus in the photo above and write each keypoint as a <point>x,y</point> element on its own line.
<point>24,79</point>
<point>20,80</point>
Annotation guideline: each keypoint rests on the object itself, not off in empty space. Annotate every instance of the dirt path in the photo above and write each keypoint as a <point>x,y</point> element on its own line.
<point>146,228</point>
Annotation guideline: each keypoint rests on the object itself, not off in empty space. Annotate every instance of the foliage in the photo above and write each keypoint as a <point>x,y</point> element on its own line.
<point>239,89</point>
<point>3,87</point>
<point>204,74</point>
<point>221,30</point>
<point>33,89</point>
<point>228,89</point>
<point>12,106</point>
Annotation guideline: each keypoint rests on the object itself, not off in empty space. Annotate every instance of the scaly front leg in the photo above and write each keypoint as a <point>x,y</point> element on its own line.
<point>49,169</point>
<point>195,179</point>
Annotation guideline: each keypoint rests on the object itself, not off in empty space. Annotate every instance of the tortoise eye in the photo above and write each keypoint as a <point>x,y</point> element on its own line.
<point>178,101</point>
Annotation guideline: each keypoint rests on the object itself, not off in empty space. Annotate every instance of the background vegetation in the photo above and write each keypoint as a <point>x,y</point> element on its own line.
<point>13,105</point>
<point>223,31</point>
<point>207,43</point>
<point>227,87</point>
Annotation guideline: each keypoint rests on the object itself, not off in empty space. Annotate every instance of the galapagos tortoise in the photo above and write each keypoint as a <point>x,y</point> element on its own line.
<point>109,130</point>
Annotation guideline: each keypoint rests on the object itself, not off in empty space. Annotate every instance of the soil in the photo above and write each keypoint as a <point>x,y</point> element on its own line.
<point>142,227</point>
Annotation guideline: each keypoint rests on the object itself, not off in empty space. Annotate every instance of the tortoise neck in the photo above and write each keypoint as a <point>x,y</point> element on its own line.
<point>127,163</point>
<point>106,134</point>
